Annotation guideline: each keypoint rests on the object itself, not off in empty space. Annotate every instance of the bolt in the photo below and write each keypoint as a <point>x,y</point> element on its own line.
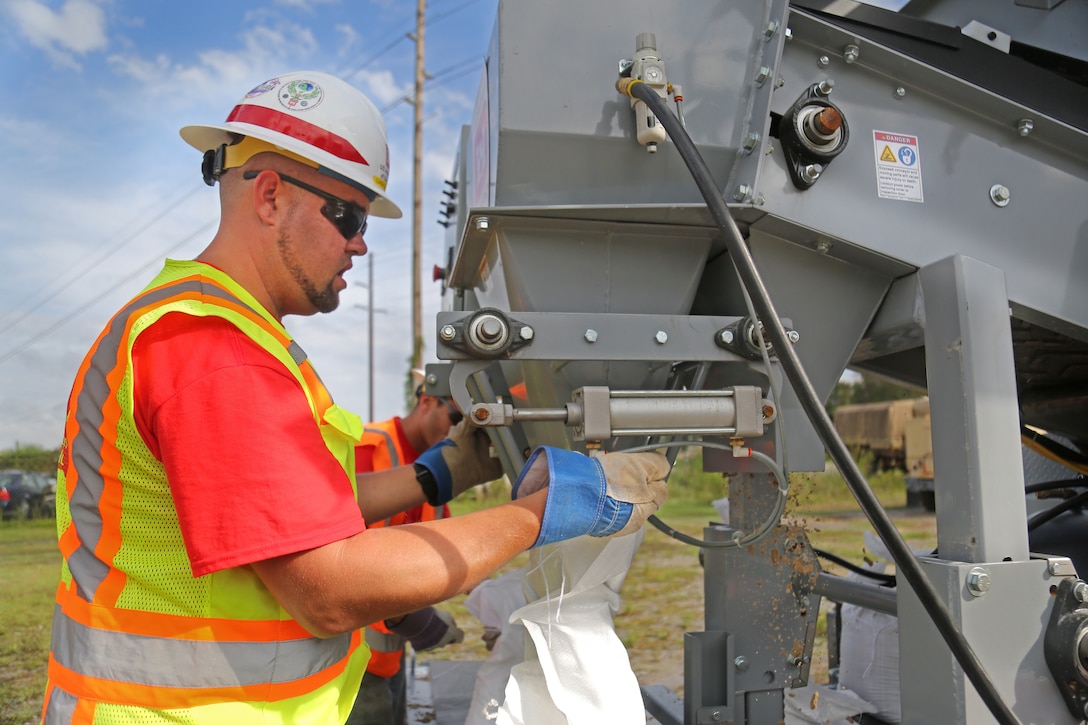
<point>851,53</point>
<point>793,336</point>
<point>823,246</point>
<point>771,29</point>
<point>526,332</point>
<point>779,82</point>
<point>661,337</point>
<point>789,33</point>
<point>432,379</point>
<point>1055,568</point>
<point>825,87</point>
<point>762,76</point>
<point>482,223</point>
<point>812,172</point>
<point>481,413</point>
<point>591,336</point>
<point>490,329</point>
<point>823,61</point>
<point>716,716</point>
<point>978,581</point>
<point>1080,592</point>
<point>743,193</point>
<point>751,141</point>
<point>1000,195</point>
<point>1025,126</point>
<point>900,92</point>
<point>741,663</point>
<point>726,336</point>
<point>447,332</point>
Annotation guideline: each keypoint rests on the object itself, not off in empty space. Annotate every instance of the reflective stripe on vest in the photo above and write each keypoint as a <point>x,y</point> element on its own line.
<point>89,571</point>
<point>106,655</point>
<point>142,657</point>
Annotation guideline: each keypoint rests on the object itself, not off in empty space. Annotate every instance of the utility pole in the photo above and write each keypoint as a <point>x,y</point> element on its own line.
<point>417,194</point>
<point>370,333</point>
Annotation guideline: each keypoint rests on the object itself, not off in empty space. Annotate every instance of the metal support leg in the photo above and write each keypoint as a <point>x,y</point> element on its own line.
<point>978,470</point>
<point>997,597</point>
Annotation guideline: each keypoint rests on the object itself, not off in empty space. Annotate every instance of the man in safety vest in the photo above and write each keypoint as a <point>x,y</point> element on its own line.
<point>383,696</point>
<point>217,567</point>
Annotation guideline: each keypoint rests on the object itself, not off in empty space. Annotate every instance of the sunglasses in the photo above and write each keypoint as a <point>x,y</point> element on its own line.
<point>455,415</point>
<point>348,217</point>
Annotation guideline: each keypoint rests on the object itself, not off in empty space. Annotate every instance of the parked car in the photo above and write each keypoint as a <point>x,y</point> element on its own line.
<point>26,494</point>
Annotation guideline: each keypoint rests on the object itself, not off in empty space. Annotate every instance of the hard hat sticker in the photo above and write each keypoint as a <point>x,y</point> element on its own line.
<point>263,88</point>
<point>300,95</point>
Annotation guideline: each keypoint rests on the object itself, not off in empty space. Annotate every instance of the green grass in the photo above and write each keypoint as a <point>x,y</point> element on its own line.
<point>663,591</point>
<point>662,595</point>
<point>29,571</point>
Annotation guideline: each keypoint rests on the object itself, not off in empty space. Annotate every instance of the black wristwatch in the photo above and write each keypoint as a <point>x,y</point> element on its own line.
<point>427,483</point>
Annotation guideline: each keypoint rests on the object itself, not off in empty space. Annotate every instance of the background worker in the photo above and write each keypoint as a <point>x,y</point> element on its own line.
<point>216,563</point>
<point>383,696</point>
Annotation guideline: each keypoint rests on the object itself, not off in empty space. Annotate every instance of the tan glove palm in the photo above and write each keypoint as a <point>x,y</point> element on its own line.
<point>638,479</point>
<point>469,458</point>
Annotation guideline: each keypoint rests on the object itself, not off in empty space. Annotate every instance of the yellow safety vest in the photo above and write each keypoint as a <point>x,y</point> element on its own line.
<point>137,638</point>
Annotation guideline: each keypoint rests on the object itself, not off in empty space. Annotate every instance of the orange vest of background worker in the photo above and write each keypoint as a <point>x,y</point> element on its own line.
<point>395,442</point>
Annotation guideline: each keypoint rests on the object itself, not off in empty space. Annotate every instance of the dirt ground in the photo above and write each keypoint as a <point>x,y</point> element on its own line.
<point>662,596</point>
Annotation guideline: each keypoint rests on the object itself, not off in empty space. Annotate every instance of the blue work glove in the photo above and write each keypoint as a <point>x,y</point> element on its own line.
<point>456,464</point>
<point>428,628</point>
<point>608,495</point>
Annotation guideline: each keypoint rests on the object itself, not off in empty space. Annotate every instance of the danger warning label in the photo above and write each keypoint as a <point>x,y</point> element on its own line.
<point>898,166</point>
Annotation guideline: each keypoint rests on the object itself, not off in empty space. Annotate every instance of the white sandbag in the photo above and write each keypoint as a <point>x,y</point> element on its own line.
<point>576,670</point>
<point>492,602</point>
<point>869,647</point>
<point>869,659</point>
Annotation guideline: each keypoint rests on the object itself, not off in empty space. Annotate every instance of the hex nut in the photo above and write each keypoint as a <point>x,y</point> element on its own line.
<point>978,581</point>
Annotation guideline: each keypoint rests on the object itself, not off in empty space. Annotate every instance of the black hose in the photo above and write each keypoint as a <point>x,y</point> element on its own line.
<point>1057,510</point>
<point>1080,482</point>
<point>885,579</point>
<point>810,402</point>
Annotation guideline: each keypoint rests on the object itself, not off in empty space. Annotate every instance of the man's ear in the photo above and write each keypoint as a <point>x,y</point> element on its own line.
<point>267,197</point>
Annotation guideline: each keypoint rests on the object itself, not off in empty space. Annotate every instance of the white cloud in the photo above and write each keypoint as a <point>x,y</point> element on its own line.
<point>78,28</point>
<point>219,76</point>
<point>383,89</point>
<point>348,37</point>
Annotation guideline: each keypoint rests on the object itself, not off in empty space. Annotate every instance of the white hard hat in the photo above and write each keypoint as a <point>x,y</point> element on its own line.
<point>315,117</point>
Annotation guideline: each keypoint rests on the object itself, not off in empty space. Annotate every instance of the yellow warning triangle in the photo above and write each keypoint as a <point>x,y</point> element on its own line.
<point>887,155</point>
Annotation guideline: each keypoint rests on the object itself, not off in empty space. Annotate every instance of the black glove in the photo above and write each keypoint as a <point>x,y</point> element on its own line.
<point>428,628</point>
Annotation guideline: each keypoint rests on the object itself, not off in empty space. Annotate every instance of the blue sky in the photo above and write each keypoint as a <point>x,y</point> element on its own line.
<point>97,186</point>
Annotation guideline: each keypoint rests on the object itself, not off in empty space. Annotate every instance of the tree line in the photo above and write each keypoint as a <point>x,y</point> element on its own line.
<point>30,458</point>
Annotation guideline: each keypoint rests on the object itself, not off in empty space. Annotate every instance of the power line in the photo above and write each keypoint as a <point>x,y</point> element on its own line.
<point>81,268</point>
<point>466,66</point>
<point>123,281</point>
<point>401,37</point>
